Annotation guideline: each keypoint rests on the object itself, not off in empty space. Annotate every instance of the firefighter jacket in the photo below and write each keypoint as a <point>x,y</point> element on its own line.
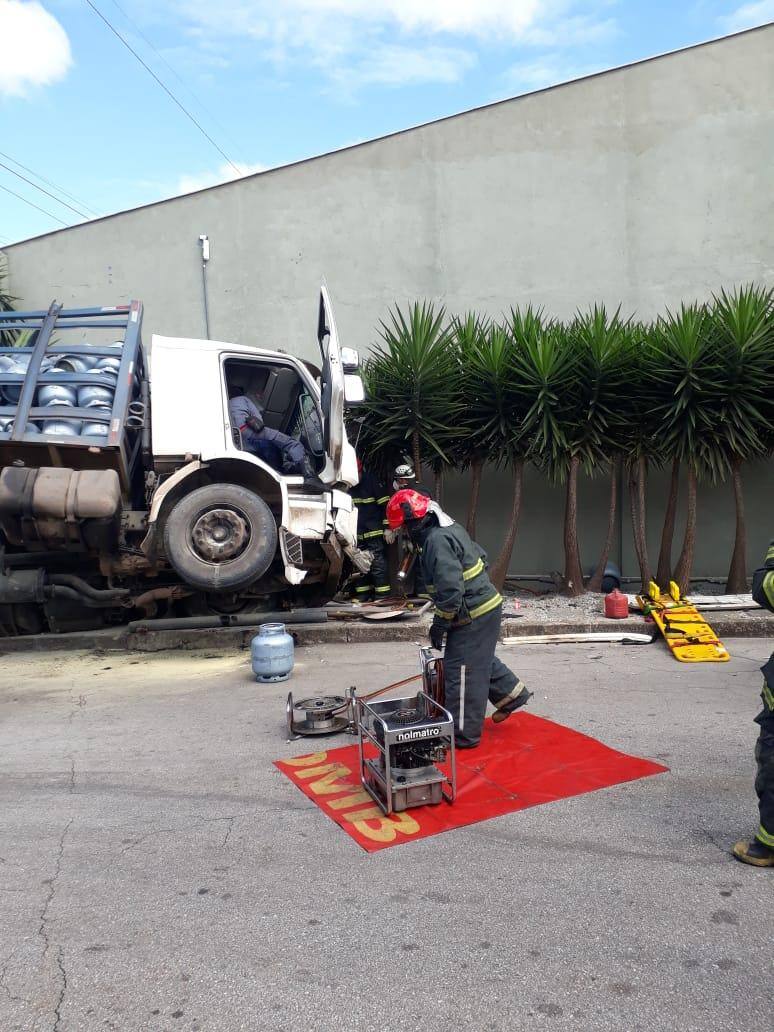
<point>763,593</point>
<point>370,496</point>
<point>455,571</point>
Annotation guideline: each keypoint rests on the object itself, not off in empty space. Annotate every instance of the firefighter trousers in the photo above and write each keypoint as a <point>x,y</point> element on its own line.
<point>473,675</point>
<point>377,580</point>
<point>764,781</point>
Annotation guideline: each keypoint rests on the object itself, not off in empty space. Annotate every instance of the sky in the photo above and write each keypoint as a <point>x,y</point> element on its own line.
<point>274,81</point>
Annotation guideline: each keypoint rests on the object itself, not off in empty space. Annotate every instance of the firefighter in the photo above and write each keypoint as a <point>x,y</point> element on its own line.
<point>468,613</point>
<point>405,477</point>
<point>370,497</point>
<point>760,851</point>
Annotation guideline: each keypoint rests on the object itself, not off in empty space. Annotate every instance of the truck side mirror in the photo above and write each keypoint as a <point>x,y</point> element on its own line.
<point>354,389</point>
<point>350,360</point>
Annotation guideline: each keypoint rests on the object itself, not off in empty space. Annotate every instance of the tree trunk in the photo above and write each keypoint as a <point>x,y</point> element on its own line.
<point>573,574</point>
<point>595,584</point>
<point>638,523</point>
<point>499,569</point>
<point>416,457</point>
<point>476,471</point>
<point>737,574</point>
<point>685,562</point>
<point>438,484</point>
<point>664,571</point>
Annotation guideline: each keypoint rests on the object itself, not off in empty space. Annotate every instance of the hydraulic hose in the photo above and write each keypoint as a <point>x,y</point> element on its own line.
<point>104,595</point>
<point>60,591</point>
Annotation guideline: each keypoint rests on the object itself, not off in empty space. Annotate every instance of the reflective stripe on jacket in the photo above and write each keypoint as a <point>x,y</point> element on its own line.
<point>763,593</point>
<point>455,566</point>
<point>370,498</point>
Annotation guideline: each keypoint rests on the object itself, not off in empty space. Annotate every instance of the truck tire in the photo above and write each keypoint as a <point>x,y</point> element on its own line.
<point>221,537</point>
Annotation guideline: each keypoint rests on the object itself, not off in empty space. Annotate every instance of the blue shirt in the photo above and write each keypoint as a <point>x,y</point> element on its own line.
<point>240,409</point>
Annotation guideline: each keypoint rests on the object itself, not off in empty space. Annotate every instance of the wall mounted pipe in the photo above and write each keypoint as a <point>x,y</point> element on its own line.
<point>189,623</point>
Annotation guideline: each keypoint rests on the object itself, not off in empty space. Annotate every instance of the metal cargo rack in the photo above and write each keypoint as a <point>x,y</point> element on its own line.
<point>128,419</point>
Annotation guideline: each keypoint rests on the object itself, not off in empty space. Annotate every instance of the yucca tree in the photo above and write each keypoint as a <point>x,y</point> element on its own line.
<point>638,439</point>
<point>482,353</point>
<point>413,384</point>
<point>603,347</point>
<point>544,376</point>
<point>7,337</point>
<point>686,366</point>
<point>742,326</point>
<point>494,415</point>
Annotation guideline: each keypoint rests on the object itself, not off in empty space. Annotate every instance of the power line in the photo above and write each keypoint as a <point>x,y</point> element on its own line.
<point>54,186</point>
<point>50,215</point>
<point>166,89</point>
<point>46,192</point>
<point>164,61</point>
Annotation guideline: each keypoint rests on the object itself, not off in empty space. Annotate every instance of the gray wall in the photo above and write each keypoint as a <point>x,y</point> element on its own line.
<point>641,186</point>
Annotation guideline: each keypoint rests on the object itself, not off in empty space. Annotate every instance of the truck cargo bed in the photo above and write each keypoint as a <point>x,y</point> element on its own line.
<point>83,405</point>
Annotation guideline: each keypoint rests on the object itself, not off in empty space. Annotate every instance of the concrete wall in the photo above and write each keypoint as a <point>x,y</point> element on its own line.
<point>539,547</point>
<point>642,186</point>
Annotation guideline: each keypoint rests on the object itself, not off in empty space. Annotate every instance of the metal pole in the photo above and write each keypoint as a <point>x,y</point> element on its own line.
<point>204,243</point>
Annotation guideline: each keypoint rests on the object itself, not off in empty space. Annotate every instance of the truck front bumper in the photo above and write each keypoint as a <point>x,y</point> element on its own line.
<point>315,518</point>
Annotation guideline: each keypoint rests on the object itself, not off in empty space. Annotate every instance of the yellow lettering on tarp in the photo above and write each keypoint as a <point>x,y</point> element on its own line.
<point>387,829</point>
<point>318,772</point>
<point>306,761</point>
<point>355,799</point>
<point>330,783</point>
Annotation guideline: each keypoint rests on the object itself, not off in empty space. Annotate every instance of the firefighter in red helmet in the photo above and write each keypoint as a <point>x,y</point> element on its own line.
<point>468,613</point>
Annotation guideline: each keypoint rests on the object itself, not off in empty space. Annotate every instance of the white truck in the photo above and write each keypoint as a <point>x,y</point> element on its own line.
<point>124,488</point>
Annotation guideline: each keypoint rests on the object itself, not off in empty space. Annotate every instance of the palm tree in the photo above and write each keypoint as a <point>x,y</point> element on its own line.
<point>638,440</point>
<point>412,378</point>
<point>494,416</point>
<point>664,567</point>
<point>604,347</point>
<point>742,323</point>
<point>543,371</point>
<point>687,364</point>
<point>482,352</point>
<point>7,337</point>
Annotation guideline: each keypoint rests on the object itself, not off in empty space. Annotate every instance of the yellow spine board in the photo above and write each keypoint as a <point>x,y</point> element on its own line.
<point>686,632</point>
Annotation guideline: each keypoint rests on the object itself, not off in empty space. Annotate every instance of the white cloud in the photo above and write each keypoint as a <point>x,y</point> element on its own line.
<point>34,48</point>
<point>748,16</point>
<point>224,174</point>
<point>391,42</point>
<point>400,66</point>
<point>265,19</point>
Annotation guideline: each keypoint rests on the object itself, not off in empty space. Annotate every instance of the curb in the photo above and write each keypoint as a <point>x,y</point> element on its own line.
<point>727,625</point>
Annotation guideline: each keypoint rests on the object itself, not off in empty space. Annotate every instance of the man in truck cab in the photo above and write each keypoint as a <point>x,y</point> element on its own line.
<point>280,451</point>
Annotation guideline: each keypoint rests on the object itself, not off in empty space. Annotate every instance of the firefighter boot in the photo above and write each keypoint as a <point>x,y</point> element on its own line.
<point>504,712</point>
<point>754,853</point>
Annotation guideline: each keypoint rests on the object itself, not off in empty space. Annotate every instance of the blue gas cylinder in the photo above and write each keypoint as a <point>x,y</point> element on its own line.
<point>271,651</point>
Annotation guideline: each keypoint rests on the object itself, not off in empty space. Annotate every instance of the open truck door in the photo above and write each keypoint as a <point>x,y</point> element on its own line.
<point>340,385</point>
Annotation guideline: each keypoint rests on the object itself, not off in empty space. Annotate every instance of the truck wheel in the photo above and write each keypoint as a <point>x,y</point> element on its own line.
<point>220,538</point>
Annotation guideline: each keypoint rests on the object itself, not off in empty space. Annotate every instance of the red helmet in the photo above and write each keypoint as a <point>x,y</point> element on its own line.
<point>406,505</point>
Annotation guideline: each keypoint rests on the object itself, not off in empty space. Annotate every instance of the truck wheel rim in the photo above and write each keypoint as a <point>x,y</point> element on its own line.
<point>220,535</point>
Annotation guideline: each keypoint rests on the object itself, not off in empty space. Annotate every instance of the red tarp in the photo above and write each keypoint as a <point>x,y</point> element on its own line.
<point>522,762</point>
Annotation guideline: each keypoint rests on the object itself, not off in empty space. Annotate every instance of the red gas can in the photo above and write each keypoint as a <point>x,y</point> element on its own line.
<point>616,605</point>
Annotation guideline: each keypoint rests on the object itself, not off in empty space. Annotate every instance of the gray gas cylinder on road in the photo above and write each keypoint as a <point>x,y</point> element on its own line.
<point>272,653</point>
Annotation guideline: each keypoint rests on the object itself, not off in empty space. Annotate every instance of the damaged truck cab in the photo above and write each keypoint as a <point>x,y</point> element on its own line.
<point>124,486</point>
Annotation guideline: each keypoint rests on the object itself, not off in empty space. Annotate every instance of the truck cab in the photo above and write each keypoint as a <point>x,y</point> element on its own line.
<point>169,490</point>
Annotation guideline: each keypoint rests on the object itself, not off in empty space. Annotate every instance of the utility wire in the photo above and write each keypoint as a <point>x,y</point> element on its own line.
<point>54,186</point>
<point>166,89</point>
<point>179,78</point>
<point>46,192</point>
<point>50,215</point>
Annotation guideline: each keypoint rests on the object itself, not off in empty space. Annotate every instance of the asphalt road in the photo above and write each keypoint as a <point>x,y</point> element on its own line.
<point>157,872</point>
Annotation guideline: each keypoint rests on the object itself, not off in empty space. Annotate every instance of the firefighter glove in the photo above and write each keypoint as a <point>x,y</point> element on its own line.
<point>437,633</point>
